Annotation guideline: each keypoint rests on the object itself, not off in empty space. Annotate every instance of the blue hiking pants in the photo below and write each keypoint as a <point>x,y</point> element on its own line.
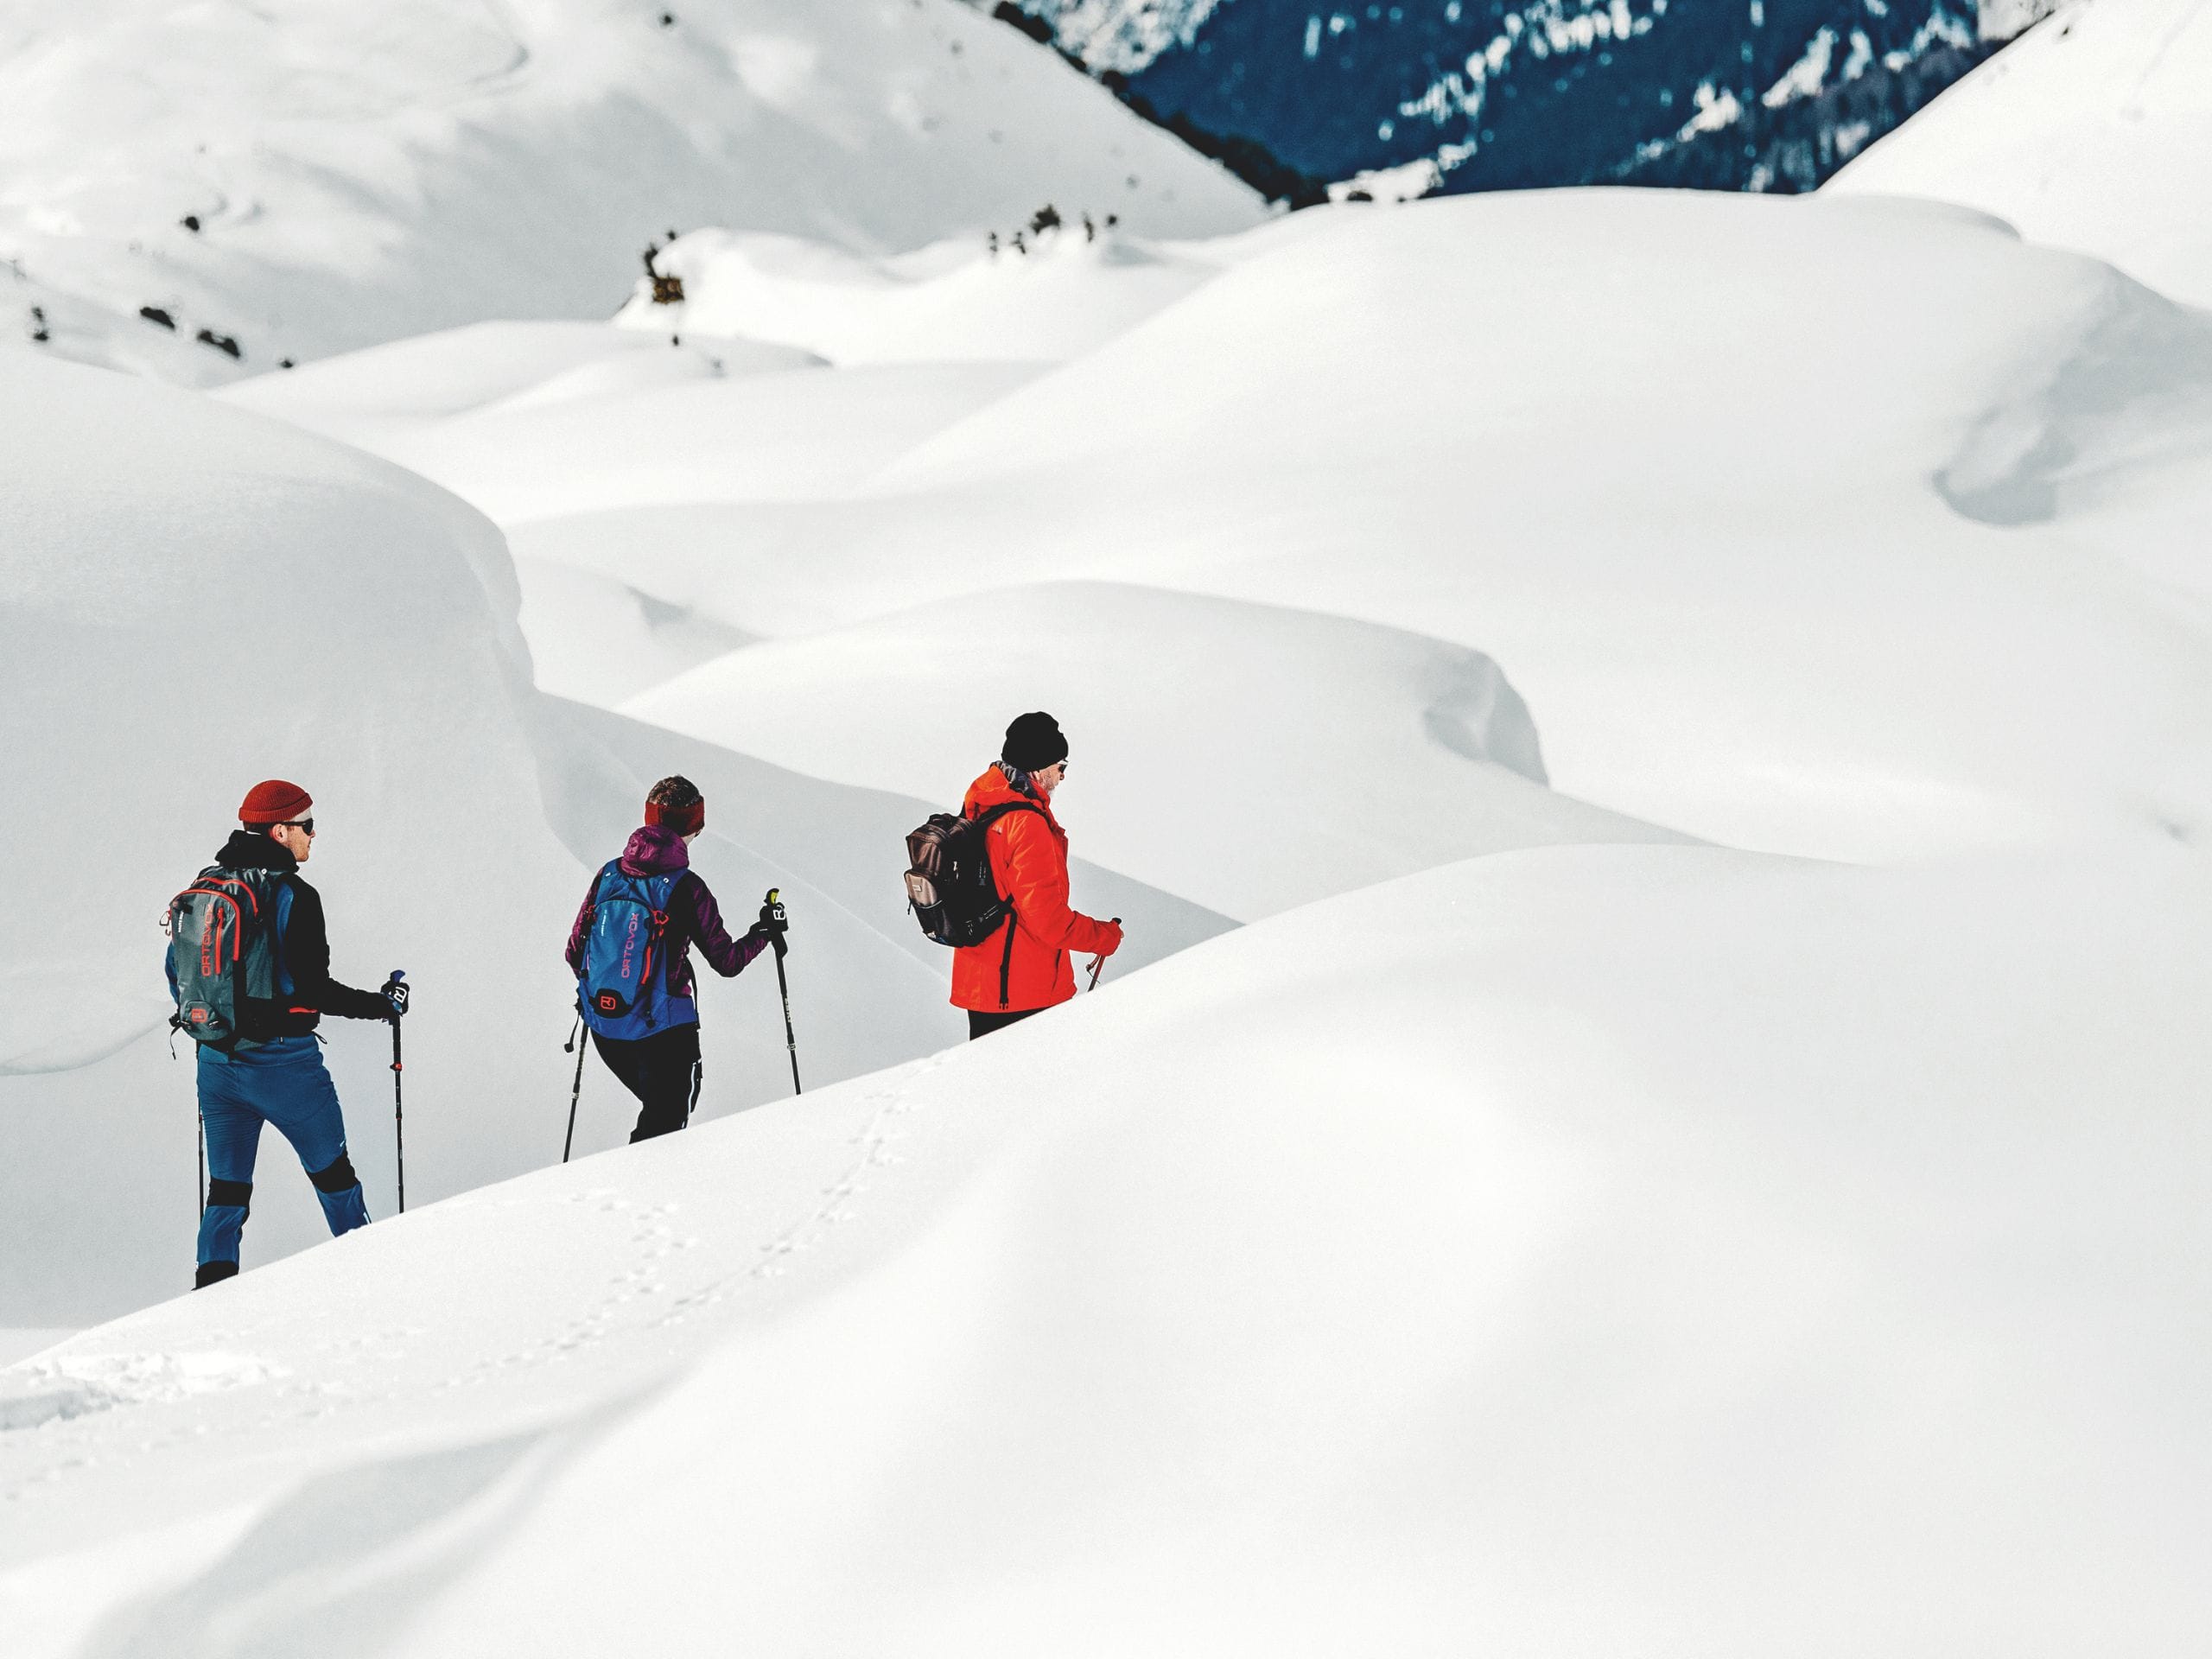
<point>283,1082</point>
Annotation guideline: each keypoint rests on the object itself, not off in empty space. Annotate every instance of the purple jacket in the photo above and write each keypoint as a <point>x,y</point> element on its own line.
<point>693,916</point>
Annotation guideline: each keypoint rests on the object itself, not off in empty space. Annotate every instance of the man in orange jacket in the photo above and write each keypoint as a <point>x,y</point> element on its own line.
<point>1000,980</point>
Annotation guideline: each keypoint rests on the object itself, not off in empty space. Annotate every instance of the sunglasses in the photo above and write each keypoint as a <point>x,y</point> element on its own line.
<point>306,824</point>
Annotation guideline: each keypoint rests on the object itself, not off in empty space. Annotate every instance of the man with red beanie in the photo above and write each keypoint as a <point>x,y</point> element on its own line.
<point>269,1070</point>
<point>630,950</point>
<point>1023,967</point>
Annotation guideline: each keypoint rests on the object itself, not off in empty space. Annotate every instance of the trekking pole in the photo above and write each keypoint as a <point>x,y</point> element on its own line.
<point>394,989</point>
<point>775,909</point>
<point>575,1033</point>
<point>1098,963</point>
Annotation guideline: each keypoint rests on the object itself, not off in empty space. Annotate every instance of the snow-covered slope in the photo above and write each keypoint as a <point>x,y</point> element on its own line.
<point>601,466</point>
<point>303,178</point>
<point>1777,554</point>
<point>2093,132</point>
<point>236,601</point>
<point>1225,764</point>
<point>1053,297</point>
<point>1582,1249</point>
<point>191,599</point>
<point>1565,1248</point>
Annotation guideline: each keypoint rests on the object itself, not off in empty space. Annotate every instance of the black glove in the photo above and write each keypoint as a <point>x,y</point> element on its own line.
<point>395,994</point>
<point>772,927</point>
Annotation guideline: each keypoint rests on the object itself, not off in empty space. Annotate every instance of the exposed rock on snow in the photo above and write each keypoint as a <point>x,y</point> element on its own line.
<point>358,174</point>
<point>1054,299</point>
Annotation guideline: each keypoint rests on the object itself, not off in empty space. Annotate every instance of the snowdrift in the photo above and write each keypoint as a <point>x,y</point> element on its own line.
<point>2092,132</point>
<point>1778,553</point>
<point>1560,1245</point>
<point>1057,295</point>
<point>192,597</point>
<point>1579,1247</point>
<point>1250,759</point>
<point>292,181</point>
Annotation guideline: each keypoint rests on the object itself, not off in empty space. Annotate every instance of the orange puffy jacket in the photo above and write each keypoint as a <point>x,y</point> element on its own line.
<point>1029,861</point>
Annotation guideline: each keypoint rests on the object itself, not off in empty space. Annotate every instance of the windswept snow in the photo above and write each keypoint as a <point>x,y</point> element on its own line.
<point>1226,691</point>
<point>238,600</point>
<point>1821,540</point>
<point>1656,1239</point>
<point>2093,130</point>
<point>306,178</point>
<point>193,599</point>
<point>1055,296</point>
<point>1531,1231</point>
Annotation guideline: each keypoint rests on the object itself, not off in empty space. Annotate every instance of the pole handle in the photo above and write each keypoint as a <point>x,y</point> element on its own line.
<point>1098,963</point>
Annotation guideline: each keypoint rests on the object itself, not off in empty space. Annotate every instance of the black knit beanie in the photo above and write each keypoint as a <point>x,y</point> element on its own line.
<point>1034,742</point>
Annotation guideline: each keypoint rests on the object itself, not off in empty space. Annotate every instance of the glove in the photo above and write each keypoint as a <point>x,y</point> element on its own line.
<point>1113,937</point>
<point>394,995</point>
<point>772,928</point>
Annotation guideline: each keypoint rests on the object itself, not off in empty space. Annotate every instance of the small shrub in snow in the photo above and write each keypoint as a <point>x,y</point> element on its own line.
<point>668,289</point>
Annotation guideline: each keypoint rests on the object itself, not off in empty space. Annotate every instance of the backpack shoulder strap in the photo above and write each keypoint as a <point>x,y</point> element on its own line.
<point>984,820</point>
<point>282,896</point>
<point>991,814</point>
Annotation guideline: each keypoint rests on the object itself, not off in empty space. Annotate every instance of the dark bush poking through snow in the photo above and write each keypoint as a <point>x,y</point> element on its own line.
<point>668,289</point>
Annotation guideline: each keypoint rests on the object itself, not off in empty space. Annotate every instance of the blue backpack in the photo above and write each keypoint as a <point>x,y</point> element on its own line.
<point>623,989</point>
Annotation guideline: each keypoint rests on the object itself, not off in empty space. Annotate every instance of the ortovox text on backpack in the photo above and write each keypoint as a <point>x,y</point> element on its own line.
<point>222,934</point>
<point>623,989</point>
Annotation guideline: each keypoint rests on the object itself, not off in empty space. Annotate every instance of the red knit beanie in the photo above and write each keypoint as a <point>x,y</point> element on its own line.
<point>685,820</point>
<point>274,801</point>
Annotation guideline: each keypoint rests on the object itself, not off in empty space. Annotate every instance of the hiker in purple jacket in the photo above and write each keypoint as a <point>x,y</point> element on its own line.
<point>650,1036</point>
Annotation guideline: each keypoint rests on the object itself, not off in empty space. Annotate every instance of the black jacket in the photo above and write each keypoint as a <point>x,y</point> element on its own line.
<point>303,953</point>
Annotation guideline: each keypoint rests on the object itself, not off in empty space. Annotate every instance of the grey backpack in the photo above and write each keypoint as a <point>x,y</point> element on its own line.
<point>222,934</point>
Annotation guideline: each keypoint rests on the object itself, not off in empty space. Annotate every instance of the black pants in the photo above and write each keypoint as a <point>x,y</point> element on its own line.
<point>663,1072</point>
<point>983,1025</point>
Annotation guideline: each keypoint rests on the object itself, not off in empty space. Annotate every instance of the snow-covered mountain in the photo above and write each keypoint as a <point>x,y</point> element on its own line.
<point>2093,132</point>
<point>1540,1253</point>
<point>1501,94</point>
<point>1657,763</point>
<point>206,191</point>
<point>1599,1235</point>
